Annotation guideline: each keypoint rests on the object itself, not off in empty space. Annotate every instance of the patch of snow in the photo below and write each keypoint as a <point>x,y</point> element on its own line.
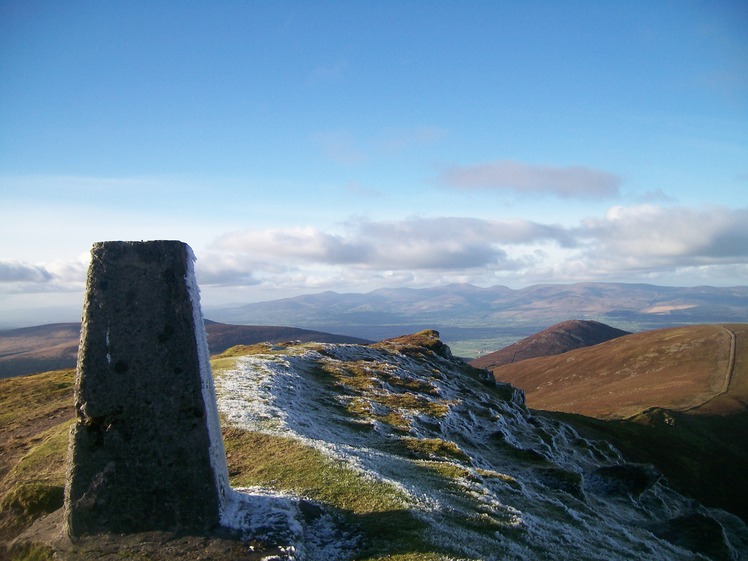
<point>217,451</point>
<point>277,519</point>
<point>108,353</point>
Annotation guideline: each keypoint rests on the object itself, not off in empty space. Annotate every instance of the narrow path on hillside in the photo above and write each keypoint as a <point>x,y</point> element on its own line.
<point>730,370</point>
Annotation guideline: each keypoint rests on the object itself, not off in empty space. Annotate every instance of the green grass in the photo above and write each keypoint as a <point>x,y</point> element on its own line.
<point>34,486</point>
<point>369,382</point>
<point>381,510</point>
<point>28,501</point>
<point>287,464</point>
<point>434,448</point>
<point>448,470</point>
<point>244,350</point>
<point>45,462</point>
<point>425,556</point>
<point>26,398</point>
<point>32,552</point>
<point>35,415</point>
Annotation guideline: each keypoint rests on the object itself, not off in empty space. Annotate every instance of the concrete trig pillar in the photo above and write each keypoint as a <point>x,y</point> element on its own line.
<point>146,451</point>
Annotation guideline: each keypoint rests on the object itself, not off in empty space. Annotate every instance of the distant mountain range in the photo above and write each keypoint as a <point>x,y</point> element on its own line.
<point>473,321</point>
<point>55,346</point>
<point>499,315</point>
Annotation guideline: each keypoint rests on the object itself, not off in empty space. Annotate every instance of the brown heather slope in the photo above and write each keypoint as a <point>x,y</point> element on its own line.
<point>557,339</point>
<point>39,349</point>
<point>701,369</point>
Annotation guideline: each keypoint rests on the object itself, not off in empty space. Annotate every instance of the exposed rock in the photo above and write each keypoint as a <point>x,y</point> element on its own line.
<point>623,479</point>
<point>560,479</point>
<point>697,532</point>
<point>417,343</point>
<point>146,451</point>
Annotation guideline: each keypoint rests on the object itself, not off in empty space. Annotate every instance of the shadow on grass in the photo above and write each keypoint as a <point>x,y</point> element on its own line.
<point>702,456</point>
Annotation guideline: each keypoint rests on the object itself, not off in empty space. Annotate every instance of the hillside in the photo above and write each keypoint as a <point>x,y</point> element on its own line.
<point>54,347</point>
<point>38,349</point>
<point>393,450</point>
<point>700,368</point>
<point>557,339</point>
<point>676,398</point>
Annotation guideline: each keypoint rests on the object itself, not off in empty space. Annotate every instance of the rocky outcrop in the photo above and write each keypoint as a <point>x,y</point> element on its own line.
<point>146,451</point>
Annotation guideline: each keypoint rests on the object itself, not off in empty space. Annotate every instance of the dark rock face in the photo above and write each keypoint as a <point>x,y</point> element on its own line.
<point>623,479</point>
<point>697,532</point>
<point>140,451</point>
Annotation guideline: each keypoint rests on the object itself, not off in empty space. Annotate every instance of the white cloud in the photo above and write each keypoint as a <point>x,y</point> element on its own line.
<point>627,243</point>
<point>305,244</point>
<point>642,243</point>
<point>418,243</point>
<point>17,271</point>
<point>565,182</point>
<point>649,237</point>
<point>224,270</point>
<point>57,276</point>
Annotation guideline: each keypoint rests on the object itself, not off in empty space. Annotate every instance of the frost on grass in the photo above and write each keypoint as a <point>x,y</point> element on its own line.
<point>474,473</point>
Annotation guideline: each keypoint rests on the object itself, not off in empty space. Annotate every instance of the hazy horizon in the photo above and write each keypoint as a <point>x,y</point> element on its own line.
<point>39,314</point>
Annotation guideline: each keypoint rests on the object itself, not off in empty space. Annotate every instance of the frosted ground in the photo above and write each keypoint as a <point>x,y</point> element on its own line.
<point>484,477</point>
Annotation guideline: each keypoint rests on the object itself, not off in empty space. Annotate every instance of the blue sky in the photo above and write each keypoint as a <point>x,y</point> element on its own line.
<point>309,146</point>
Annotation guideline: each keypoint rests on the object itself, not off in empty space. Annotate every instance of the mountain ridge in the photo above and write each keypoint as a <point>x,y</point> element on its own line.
<point>474,320</point>
<point>589,297</point>
<point>42,348</point>
<point>557,339</point>
<point>688,368</point>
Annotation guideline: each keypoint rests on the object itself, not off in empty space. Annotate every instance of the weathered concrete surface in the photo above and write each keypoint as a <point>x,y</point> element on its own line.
<point>142,456</point>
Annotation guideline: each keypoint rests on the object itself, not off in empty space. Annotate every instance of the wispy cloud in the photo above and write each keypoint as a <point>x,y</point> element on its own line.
<point>57,276</point>
<point>395,141</point>
<point>356,188</point>
<point>17,271</point>
<point>327,72</point>
<point>565,182</point>
<point>418,243</point>
<point>343,147</point>
<point>626,242</point>
<point>651,237</point>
